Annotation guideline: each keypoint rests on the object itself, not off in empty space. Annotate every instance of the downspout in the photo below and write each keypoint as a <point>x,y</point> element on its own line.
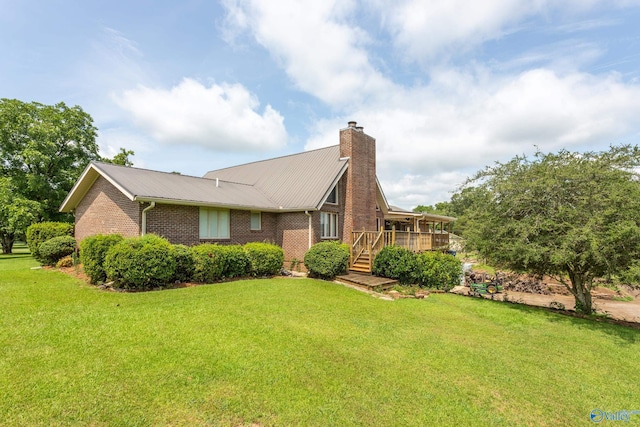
<point>144,217</point>
<point>310,227</point>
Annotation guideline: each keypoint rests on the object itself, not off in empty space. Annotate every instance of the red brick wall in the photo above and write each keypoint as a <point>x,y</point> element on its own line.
<point>292,233</point>
<point>178,224</point>
<point>105,210</point>
<point>360,192</point>
<point>241,232</point>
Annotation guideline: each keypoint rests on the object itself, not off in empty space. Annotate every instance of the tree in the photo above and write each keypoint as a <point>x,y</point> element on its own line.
<point>122,158</point>
<point>43,150</point>
<point>573,216</point>
<point>16,214</point>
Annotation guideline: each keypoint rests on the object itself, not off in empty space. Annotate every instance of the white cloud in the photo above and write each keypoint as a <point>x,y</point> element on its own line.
<point>318,44</point>
<point>224,117</point>
<point>462,122</point>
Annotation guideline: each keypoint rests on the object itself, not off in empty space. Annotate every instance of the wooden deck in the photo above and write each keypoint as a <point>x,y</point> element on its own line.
<point>367,244</point>
<point>367,281</point>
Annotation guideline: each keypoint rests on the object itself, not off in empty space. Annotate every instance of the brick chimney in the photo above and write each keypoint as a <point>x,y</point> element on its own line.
<point>360,197</point>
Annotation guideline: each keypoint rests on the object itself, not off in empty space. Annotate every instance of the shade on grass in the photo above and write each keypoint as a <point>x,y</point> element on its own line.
<point>296,352</point>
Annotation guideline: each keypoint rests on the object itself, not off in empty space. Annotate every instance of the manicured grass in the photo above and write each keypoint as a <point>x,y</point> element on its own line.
<point>297,352</point>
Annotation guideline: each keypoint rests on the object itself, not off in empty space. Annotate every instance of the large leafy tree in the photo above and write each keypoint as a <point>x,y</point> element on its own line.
<point>574,216</point>
<point>43,149</point>
<point>16,214</point>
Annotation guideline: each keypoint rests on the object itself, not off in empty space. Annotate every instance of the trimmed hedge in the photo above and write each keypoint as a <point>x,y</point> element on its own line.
<point>208,263</point>
<point>395,262</point>
<point>265,259</point>
<point>40,232</point>
<point>185,265</point>
<point>215,262</point>
<point>437,270</point>
<point>434,270</point>
<point>141,263</point>
<point>56,248</point>
<point>93,250</point>
<point>326,260</point>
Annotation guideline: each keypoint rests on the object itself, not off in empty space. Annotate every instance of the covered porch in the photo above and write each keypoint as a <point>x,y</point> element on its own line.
<point>414,231</point>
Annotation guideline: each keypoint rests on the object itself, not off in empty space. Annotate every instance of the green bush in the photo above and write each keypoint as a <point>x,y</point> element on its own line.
<point>141,263</point>
<point>93,250</point>
<point>395,262</point>
<point>266,259</point>
<point>326,260</point>
<point>437,270</point>
<point>185,265</point>
<point>40,232</point>
<point>209,263</point>
<point>52,250</point>
<point>236,261</point>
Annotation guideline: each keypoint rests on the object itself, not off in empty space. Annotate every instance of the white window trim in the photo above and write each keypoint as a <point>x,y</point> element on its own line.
<point>335,225</point>
<point>259,221</point>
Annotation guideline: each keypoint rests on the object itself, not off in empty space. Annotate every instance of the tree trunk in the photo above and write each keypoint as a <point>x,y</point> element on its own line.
<point>581,290</point>
<point>7,242</point>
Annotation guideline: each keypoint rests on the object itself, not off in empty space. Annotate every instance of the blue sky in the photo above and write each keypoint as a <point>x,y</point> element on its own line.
<point>445,86</point>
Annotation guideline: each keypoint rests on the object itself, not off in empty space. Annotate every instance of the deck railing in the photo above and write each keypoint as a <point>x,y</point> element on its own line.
<point>372,242</point>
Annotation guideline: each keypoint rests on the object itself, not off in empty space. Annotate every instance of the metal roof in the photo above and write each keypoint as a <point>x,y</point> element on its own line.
<point>301,180</point>
<point>296,182</point>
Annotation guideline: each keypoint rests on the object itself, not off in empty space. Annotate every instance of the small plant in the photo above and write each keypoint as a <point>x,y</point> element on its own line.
<point>294,264</point>
<point>625,298</point>
<point>326,260</point>
<point>208,262</point>
<point>65,262</point>
<point>51,251</point>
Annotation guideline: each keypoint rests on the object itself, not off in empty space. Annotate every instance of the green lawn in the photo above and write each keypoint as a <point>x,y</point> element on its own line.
<point>296,352</point>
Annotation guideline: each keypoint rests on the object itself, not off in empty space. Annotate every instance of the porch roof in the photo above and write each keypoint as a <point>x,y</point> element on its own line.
<point>398,214</point>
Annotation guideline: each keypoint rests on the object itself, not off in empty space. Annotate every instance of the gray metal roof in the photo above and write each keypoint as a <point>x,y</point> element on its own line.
<point>297,181</point>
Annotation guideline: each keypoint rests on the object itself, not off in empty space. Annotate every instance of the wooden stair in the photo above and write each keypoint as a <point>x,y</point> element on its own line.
<point>367,281</point>
<point>362,264</point>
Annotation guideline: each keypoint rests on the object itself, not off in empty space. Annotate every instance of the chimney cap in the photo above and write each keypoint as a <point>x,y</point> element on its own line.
<point>352,124</point>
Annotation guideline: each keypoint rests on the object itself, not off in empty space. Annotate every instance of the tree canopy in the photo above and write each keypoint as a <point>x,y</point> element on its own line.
<point>43,150</point>
<point>574,216</point>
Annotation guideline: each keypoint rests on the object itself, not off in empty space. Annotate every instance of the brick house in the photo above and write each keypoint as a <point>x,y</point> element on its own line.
<point>293,201</point>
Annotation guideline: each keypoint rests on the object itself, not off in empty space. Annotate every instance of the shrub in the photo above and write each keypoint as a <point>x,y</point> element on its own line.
<point>40,232</point>
<point>55,248</point>
<point>326,260</point>
<point>140,262</point>
<point>185,265</point>
<point>93,250</point>
<point>208,263</point>
<point>395,262</point>
<point>437,270</point>
<point>65,262</point>
<point>236,261</point>
<point>265,259</point>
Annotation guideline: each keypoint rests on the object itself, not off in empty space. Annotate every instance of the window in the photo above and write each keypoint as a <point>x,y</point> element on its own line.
<point>328,225</point>
<point>333,196</point>
<point>214,223</point>
<point>256,221</point>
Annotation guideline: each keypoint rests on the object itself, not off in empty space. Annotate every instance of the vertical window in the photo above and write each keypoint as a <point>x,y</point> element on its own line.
<point>328,225</point>
<point>256,220</point>
<point>333,196</point>
<point>214,223</point>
